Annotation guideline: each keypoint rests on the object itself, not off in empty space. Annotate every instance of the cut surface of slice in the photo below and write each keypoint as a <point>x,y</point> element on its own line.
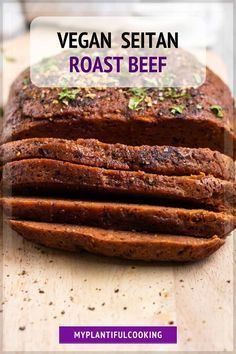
<point>124,244</point>
<point>121,216</point>
<point>44,175</point>
<point>164,160</point>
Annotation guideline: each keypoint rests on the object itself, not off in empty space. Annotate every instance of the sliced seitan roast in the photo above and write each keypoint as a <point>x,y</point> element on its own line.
<point>155,186</point>
<point>121,216</point>
<point>164,160</point>
<point>124,244</point>
<point>45,175</point>
<point>196,117</point>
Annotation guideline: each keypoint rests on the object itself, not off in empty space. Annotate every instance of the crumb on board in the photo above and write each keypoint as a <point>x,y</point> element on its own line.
<point>22,328</point>
<point>90,308</point>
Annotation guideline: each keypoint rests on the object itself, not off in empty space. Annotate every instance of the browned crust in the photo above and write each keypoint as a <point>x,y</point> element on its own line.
<point>124,244</point>
<point>32,112</point>
<point>121,216</point>
<point>47,175</point>
<point>165,160</point>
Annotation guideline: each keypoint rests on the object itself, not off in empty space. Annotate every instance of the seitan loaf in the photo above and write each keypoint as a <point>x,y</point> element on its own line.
<point>124,244</point>
<point>195,117</point>
<point>121,216</point>
<point>165,160</point>
<point>45,175</point>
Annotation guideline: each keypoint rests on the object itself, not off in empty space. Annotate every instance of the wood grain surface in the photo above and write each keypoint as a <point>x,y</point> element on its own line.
<point>44,288</point>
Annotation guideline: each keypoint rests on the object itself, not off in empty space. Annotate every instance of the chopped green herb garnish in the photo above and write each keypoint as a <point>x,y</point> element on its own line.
<point>139,95</point>
<point>217,110</point>
<point>134,102</point>
<point>175,93</point>
<point>177,109</point>
<point>68,94</point>
<point>169,91</point>
<point>138,91</point>
<point>161,98</point>
<point>183,93</point>
<point>26,81</point>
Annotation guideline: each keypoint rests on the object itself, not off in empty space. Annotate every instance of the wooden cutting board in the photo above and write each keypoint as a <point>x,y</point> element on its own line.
<point>44,288</point>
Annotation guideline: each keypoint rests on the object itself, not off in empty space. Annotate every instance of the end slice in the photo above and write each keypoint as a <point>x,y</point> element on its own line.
<point>124,244</point>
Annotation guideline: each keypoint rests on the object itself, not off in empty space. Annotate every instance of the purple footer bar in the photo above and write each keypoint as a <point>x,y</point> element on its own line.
<point>117,334</point>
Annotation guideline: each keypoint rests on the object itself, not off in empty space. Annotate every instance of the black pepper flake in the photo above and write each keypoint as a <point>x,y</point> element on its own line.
<point>171,322</point>
<point>103,304</point>
<point>125,308</point>
<point>41,291</point>
<point>62,312</point>
<point>91,308</point>
<point>22,328</point>
<point>116,290</point>
<point>228,281</point>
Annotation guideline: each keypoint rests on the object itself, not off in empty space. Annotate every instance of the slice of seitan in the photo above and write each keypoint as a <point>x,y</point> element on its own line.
<point>121,216</point>
<point>45,175</point>
<point>124,244</point>
<point>206,121</point>
<point>164,160</point>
